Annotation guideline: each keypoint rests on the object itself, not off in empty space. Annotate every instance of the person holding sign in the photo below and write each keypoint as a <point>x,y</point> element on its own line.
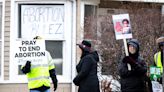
<point>158,57</point>
<point>38,74</point>
<point>133,80</point>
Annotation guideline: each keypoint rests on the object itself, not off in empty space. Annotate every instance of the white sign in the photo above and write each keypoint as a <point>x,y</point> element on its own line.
<point>156,86</point>
<point>122,26</point>
<point>42,20</point>
<point>155,70</point>
<point>29,50</point>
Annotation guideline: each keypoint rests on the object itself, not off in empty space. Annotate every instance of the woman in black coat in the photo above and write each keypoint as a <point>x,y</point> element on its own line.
<point>133,80</point>
<point>87,78</point>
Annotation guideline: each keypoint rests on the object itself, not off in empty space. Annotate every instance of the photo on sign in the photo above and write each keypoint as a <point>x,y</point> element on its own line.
<point>122,26</point>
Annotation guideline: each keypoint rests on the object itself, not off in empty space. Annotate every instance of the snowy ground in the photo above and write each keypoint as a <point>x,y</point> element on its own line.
<point>115,85</point>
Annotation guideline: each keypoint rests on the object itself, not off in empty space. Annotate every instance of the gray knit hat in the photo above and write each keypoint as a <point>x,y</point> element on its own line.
<point>134,42</point>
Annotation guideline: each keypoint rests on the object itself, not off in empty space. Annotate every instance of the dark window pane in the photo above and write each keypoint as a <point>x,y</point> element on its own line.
<point>56,50</point>
<point>19,70</point>
<point>59,68</point>
<point>90,10</point>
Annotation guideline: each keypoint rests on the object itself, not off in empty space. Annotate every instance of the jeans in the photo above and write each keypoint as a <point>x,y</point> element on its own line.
<point>48,90</point>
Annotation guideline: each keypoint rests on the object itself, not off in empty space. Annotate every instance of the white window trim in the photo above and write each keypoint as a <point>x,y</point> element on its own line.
<point>91,2</point>
<point>73,63</point>
<point>150,1</point>
<point>66,77</point>
<point>2,50</point>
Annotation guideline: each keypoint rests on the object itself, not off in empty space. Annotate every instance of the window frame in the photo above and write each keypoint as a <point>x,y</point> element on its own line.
<point>2,43</point>
<point>66,77</point>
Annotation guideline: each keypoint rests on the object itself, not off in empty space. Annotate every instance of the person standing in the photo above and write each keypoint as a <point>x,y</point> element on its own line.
<point>133,80</point>
<point>158,57</point>
<point>87,78</point>
<point>38,75</point>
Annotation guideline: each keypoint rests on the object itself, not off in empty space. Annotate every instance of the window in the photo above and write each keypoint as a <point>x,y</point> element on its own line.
<point>90,21</point>
<point>52,21</point>
<point>90,10</point>
<point>46,21</point>
<point>42,20</point>
<point>56,51</point>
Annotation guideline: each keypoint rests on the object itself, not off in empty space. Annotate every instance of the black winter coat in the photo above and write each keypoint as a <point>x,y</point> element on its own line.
<point>87,78</point>
<point>134,80</point>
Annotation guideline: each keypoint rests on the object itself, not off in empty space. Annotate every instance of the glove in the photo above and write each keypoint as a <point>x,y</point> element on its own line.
<point>55,82</point>
<point>75,81</point>
<point>26,68</point>
<point>128,59</point>
<point>53,77</point>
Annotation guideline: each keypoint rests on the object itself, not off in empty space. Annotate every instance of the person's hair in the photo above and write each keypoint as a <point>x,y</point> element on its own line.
<point>125,20</point>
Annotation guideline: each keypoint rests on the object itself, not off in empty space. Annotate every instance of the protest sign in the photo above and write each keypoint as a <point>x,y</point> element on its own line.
<point>122,30</point>
<point>30,50</point>
<point>122,26</point>
<point>46,20</point>
<point>154,73</point>
<point>156,86</point>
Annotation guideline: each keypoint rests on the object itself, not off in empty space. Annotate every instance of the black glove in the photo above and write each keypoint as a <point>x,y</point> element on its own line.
<point>53,77</point>
<point>128,59</point>
<point>26,68</point>
<point>55,82</point>
<point>75,81</point>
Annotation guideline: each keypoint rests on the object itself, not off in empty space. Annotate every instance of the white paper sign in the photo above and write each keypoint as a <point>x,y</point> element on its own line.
<point>122,26</point>
<point>42,20</point>
<point>29,50</point>
<point>155,70</point>
<point>156,86</point>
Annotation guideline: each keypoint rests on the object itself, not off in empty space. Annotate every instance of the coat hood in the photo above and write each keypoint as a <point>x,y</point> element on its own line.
<point>95,55</point>
<point>135,43</point>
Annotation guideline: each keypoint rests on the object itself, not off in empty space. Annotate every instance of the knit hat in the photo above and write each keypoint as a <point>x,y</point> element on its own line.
<point>37,37</point>
<point>160,40</point>
<point>85,44</point>
<point>134,42</point>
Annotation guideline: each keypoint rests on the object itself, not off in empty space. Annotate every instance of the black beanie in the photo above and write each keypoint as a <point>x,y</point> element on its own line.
<point>85,44</point>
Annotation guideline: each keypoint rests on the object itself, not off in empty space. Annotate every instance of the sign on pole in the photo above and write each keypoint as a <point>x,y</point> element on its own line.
<point>122,28</point>
<point>30,50</point>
